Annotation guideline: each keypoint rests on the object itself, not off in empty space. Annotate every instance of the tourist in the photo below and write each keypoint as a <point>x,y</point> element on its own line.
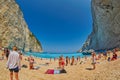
<point>6,52</point>
<point>31,62</point>
<point>79,58</point>
<point>73,60</point>
<point>99,56</point>
<point>67,60</point>
<point>105,55</point>
<point>50,60</point>
<point>20,53</point>
<point>108,55</point>
<point>93,60</point>
<point>85,58</point>
<point>2,54</point>
<point>20,56</point>
<point>41,58</point>
<point>62,62</point>
<point>114,57</point>
<point>13,63</point>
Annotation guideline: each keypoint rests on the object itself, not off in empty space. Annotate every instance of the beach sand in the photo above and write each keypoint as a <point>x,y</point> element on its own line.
<point>104,71</point>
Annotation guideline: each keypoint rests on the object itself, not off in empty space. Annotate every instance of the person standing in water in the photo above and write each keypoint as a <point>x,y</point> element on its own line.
<point>13,63</point>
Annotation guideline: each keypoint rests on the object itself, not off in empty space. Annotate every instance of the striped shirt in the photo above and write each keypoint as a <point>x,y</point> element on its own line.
<point>13,60</point>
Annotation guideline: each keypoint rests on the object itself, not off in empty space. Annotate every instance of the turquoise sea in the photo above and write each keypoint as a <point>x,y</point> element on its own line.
<point>53,55</point>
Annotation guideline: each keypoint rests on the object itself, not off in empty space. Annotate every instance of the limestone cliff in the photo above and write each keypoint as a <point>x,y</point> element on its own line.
<point>106,25</point>
<point>13,28</point>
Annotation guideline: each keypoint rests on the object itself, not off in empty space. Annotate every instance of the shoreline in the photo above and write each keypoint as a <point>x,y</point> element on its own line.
<point>55,55</point>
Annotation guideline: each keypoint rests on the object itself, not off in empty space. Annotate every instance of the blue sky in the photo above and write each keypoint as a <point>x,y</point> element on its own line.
<point>60,25</point>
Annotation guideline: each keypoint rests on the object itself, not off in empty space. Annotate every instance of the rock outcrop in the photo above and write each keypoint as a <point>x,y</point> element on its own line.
<point>13,28</point>
<point>106,25</point>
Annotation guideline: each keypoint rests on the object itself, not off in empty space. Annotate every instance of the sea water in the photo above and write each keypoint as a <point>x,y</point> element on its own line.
<point>53,55</point>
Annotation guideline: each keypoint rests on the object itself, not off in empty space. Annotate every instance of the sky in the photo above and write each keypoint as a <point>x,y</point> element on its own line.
<point>59,25</point>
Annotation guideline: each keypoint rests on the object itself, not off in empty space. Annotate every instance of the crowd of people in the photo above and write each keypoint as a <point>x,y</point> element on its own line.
<point>109,55</point>
<point>14,58</point>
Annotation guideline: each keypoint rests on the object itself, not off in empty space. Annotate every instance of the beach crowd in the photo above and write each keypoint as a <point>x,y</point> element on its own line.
<point>14,58</point>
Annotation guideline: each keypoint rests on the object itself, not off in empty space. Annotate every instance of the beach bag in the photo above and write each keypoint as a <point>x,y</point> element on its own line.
<point>24,66</point>
<point>63,71</point>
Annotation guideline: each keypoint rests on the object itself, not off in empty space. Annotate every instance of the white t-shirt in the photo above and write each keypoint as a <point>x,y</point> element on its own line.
<point>13,60</point>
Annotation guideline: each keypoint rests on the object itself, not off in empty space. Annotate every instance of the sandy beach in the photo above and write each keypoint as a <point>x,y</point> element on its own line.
<point>104,70</point>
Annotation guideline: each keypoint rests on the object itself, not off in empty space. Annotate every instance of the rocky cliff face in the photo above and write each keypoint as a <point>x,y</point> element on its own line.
<point>106,25</point>
<point>13,28</point>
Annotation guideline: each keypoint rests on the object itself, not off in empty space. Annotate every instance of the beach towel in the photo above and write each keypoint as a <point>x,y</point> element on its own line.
<point>56,71</point>
<point>50,71</point>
